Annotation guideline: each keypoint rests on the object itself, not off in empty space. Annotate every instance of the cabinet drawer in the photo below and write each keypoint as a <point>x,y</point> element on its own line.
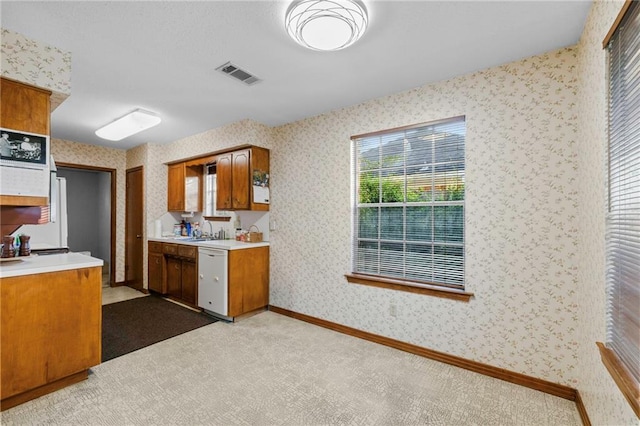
<point>187,251</point>
<point>170,248</point>
<point>155,247</point>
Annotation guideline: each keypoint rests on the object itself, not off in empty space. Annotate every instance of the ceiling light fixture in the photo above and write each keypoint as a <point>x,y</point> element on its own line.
<point>132,123</point>
<point>326,24</point>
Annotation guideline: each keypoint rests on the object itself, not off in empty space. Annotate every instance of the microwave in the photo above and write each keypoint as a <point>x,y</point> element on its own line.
<point>23,150</point>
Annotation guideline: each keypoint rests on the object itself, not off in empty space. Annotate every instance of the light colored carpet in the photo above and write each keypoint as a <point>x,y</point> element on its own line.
<point>119,294</point>
<point>273,370</point>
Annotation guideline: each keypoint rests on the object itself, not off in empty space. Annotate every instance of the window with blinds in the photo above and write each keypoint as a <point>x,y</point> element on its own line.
<point>623,220</point>
<point>409,203</point>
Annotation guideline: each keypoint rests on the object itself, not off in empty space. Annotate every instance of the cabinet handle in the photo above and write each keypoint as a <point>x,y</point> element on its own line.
<point>217,279</point>
<point>201,276</point>
<point>157,261</point>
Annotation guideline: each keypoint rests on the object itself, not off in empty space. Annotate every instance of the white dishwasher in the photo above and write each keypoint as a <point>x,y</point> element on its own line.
<point>213,295</point>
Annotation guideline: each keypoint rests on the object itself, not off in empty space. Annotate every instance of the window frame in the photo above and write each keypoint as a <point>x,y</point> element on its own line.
<point>621,375</point>
<point>450,291</point>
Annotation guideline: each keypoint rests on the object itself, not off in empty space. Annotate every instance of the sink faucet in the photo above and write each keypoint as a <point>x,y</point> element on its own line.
<point>210,228</point>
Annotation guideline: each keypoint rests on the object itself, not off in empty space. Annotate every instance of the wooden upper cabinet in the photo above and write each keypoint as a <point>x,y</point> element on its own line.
<point>176,187</point>
<point>240,180</point>
<point>184,188</point>
<point>25,107</point>
<point>234,172</point>
<point>223,182</point>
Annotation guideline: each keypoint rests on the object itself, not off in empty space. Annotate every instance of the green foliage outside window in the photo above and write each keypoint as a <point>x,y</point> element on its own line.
<point>392,190</point>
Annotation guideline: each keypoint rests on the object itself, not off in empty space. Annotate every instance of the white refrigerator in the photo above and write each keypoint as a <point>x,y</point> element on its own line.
<point>51,236</point>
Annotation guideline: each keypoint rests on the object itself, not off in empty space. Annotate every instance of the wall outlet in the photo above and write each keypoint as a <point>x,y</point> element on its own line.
<point>393,310</point>
<point>272,225</point>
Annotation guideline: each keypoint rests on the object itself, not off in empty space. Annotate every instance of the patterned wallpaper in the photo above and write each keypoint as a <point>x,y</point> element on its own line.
<point>64,151</point>
<point>154,157</point>
<point>534,219</point>
<point>521,207</point>
<point>36,63</point>
<point>604,401</point>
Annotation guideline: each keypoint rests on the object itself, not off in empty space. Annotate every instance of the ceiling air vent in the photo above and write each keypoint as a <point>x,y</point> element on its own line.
<point>237,73</point>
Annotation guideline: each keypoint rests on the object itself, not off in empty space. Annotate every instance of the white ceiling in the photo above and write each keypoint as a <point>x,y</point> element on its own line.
<point>161,56</point>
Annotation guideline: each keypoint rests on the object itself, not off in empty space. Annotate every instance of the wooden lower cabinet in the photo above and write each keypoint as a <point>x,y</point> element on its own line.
<point>51,331</point>
<point>156,268</point>
<point>248,280</point>
<point>174,277</point>
<point>173,271</point>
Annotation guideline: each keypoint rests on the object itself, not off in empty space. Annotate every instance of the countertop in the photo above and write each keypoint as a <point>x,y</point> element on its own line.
<point>35,264</point>
<point>219,244</point>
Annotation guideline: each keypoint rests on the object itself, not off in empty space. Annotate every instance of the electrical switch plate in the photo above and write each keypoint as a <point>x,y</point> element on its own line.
<point>272,225</point>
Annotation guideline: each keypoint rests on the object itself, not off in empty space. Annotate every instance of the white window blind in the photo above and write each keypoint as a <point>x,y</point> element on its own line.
<point>623,221</point>
<point>409,203</point>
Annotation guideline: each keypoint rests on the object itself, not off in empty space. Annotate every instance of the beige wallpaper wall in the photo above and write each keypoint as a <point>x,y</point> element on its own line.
<point>534,215</point>
<point>521,207</point>
<point>604,402</point>
<point>36,63</point>
<point>154,158</point>
<point>64,151</point>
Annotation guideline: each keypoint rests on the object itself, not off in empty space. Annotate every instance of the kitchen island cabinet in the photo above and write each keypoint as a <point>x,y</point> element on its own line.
<point>51,324</point>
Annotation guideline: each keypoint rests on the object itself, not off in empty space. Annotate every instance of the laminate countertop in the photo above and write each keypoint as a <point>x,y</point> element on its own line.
<point>36,264</point>
<point>219,244</point>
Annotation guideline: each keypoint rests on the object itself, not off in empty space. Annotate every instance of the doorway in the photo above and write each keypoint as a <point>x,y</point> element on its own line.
<point>134,267</point>
<point>91,206</point>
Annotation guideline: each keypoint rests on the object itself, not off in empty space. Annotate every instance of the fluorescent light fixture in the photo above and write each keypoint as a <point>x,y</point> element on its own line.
<point>326,24</point>
<point>132,123</point>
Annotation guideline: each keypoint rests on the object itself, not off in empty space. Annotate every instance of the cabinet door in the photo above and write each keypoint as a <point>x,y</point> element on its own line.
<point>25,107</point>
<point>189,281</point>
<point>240,180</point>
<point>223,184</point>
<point>156,263</point>
<point>176,187</point>
<point>248,280</point>
<point>174,277</point>
<point>50,327</point>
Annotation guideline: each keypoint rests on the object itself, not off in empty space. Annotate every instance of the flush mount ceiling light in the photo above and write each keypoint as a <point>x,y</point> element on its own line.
<point>132,123</point>
<point>326,24</point>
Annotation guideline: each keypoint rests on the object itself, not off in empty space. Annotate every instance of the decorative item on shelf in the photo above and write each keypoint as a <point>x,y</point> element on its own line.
<point>25,247</point>
<point>8,249</point>
<point>254,237</point>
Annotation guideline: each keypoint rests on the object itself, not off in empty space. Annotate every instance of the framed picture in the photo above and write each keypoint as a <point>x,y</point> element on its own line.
<point>22,149</point>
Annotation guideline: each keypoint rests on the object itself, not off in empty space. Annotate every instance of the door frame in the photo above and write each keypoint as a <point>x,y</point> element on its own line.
<point>126,228</point>
<point>114,187</point>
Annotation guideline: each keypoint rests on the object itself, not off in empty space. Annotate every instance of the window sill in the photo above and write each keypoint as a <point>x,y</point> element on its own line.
<point>217,218</point>
<point>408,286</point>
<point>621,376</point>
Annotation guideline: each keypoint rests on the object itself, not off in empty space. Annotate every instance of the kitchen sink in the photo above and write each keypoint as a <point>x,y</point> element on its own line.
<point>195,239</point>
